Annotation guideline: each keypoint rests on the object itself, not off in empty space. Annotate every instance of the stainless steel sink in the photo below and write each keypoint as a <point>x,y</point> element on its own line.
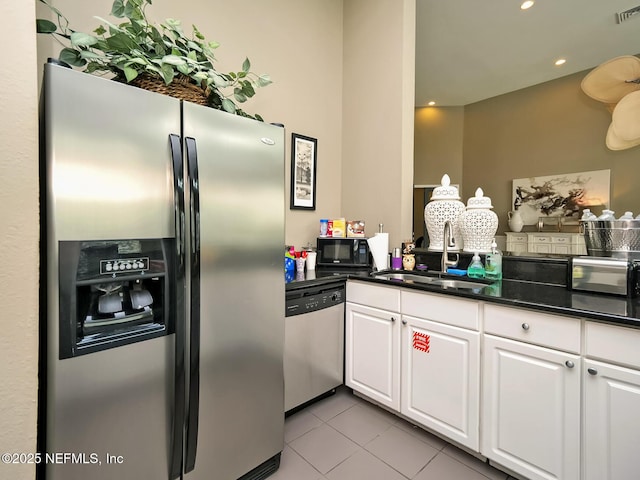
<point>431,280</point>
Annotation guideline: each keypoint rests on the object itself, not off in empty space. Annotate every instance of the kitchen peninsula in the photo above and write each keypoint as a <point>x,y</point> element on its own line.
<point>532,376</point>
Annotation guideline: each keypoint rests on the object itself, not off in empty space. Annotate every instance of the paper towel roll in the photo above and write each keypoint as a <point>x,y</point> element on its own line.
<point>379,246</point>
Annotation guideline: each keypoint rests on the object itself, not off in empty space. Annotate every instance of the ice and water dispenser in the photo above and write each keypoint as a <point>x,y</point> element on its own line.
<point>113,293</point>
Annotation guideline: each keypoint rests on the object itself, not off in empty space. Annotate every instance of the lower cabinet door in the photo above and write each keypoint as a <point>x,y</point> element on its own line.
<point>515,247</point>
<point>561,249</point>
<point>440,379</point>
<point>540,247</point>
<point>611,422</point>
<point>372,353</point>
<point>531,409</point>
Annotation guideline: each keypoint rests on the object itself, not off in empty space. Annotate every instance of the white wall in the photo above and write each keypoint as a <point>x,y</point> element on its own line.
<point>19,240</point>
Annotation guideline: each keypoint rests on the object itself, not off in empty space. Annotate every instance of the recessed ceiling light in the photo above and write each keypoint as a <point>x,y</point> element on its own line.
<point>560,61</point>
<point>526,5</point>
<point>431,103</point>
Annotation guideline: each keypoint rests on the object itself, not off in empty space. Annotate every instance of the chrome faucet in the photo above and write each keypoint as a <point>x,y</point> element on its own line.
<point>448,242</point>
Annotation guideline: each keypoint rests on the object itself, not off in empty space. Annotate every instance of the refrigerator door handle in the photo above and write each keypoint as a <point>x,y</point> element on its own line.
<point>175,143</point>
<point>194,371</point>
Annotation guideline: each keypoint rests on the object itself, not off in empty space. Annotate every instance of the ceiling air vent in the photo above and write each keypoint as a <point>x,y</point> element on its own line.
<point>627,14</point>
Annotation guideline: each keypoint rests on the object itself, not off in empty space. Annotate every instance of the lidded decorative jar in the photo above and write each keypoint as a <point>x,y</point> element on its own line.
<point>478,224</point>
<point>445,205</point>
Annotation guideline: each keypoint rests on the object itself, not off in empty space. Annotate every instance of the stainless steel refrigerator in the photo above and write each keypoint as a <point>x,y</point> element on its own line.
<point>162,286</point>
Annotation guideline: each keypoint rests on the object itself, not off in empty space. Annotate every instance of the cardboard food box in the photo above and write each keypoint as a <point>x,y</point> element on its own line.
<point>355,228</point>
<point>339,227</point>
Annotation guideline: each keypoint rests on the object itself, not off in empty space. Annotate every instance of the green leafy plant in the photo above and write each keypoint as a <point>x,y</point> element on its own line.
<point>137,48</point>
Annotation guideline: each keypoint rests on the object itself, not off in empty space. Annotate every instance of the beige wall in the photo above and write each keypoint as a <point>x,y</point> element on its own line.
<point>319,54</point>
<point>438,144</point>
<point>299,44</point>
<point>377,170</point>
<point>551,128</point>
<point>19,241</point>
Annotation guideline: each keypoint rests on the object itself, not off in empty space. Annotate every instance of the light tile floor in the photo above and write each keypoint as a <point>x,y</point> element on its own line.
<point>344,437</point>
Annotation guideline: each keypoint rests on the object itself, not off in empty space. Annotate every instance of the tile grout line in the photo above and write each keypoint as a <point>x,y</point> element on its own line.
<point>399,423</point>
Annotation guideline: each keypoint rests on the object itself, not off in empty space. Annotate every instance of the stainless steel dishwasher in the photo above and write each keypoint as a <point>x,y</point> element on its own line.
<point>314,343</point>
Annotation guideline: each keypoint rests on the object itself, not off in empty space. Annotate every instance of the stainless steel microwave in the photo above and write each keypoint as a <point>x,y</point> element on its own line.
<point>347,252</point>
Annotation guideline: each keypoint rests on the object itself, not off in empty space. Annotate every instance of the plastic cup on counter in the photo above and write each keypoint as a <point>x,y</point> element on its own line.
<point>311,260</point>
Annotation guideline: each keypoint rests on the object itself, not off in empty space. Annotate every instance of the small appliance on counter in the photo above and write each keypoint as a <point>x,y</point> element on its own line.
<point>343,252</point>
<point>614,255</point>
<point>605,275</point>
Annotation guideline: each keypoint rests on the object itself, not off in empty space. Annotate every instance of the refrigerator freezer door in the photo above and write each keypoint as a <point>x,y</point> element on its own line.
<point>108,176</point>
<point>108,158</point>
<point>239,357</point>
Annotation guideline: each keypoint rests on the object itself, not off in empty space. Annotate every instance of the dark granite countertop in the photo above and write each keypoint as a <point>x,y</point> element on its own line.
<point>320,276</point>
<point>550,298</point>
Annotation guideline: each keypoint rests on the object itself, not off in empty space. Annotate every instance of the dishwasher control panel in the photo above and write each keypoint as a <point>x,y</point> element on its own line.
<point>312,299</point>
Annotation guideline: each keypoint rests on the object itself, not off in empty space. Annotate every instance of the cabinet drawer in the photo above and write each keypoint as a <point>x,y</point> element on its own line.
<point>613,343</point>
<point>573,239</point>
<point>554,331</point>
<point>387,298</point>
<point>441,308</point>
<point>535,238</point>
<point>517,238</point>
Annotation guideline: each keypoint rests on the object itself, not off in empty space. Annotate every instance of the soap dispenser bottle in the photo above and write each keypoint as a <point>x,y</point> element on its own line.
<point>476,269</point>
<point>494,263</point>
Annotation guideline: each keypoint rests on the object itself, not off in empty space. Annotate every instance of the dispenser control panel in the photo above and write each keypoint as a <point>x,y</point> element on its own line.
<point>123,265</point>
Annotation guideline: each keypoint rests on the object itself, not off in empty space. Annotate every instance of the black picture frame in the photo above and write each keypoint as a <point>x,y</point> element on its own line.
<point>304,155</point>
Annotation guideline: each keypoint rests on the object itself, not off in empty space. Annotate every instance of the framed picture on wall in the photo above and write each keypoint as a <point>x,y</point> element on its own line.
<point>563,195</point>
<point>304,152</point>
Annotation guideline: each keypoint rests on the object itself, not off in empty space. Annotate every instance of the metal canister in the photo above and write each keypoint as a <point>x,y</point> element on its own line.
<point>396,259</point>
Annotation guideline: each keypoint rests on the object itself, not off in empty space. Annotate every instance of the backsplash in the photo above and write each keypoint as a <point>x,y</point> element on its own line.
<point>540,268</point>
<point>530,267</point>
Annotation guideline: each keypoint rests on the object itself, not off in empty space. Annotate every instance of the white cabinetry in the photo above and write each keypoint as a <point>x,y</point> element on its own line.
<point>546,411</point>
<point>517,242</point>
<point>531,393</point>
<point>561,243</point>
<point>372,342</point>
<point>611,402</point>
<point>440,374</point>
<point>418,354</point>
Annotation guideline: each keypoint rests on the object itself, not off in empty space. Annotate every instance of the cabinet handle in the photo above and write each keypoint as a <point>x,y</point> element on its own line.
<point>592,371</point>
<point>393,319</point>
<point>569,364</point>
<point>404,322</point>
<point>525,326</point>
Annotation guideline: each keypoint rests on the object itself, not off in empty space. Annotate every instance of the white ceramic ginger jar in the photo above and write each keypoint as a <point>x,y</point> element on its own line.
<point>445,205</point>
<point>478,224</point>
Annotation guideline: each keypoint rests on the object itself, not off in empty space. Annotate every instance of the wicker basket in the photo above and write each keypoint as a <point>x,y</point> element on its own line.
<point>181,87</point>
